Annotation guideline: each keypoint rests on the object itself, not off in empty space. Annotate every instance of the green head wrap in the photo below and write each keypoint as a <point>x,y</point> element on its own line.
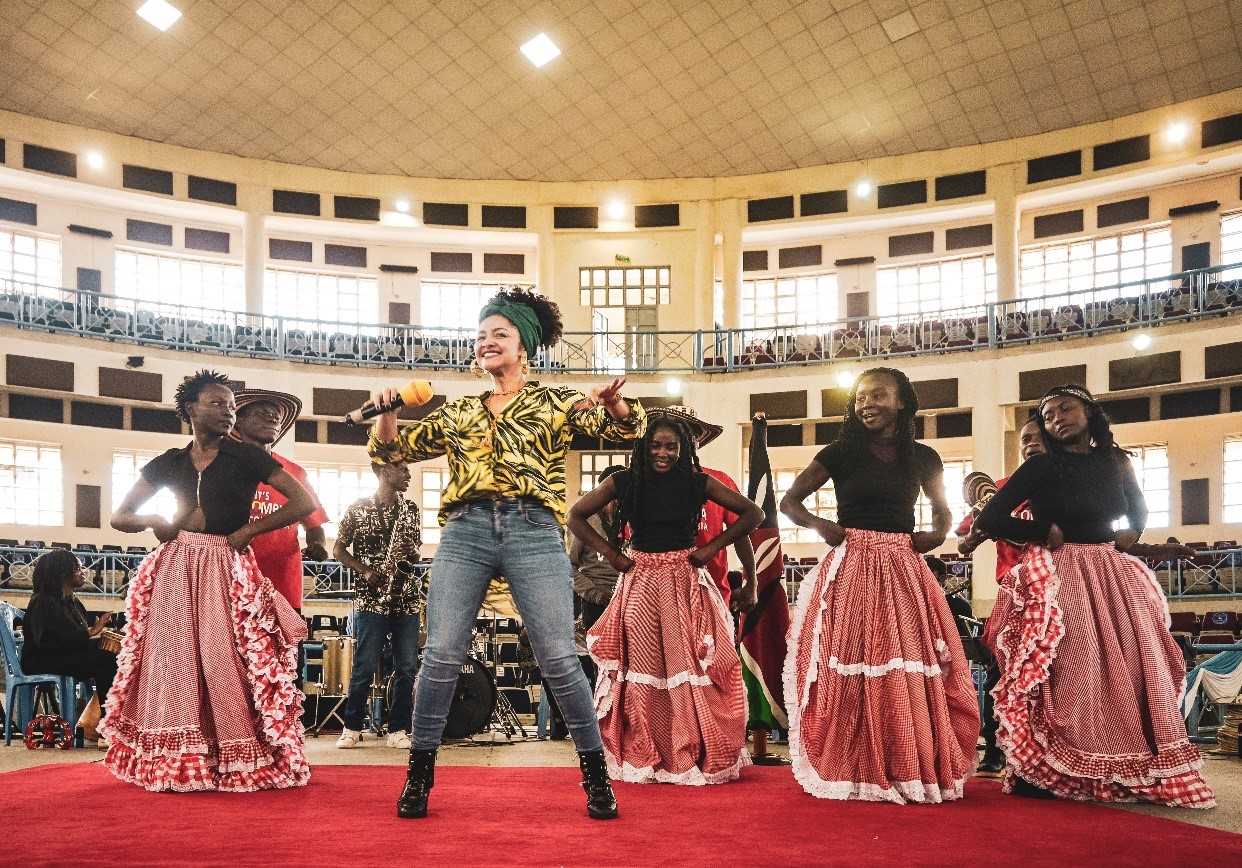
<point>523,319</point>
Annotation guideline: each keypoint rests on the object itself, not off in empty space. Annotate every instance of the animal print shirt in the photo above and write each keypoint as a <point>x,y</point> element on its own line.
<point>518,453</point>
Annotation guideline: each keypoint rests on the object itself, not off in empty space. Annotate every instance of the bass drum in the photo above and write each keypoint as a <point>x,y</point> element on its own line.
<point>474,701</point>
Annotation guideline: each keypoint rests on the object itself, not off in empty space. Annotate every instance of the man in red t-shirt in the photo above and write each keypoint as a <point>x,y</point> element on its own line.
<point>263,417</point>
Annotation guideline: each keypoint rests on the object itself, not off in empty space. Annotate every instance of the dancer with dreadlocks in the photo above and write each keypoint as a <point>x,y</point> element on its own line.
<point>878,690</point>
<point>1088,694</point>
<point>204,697</point>
<point>669,697</point>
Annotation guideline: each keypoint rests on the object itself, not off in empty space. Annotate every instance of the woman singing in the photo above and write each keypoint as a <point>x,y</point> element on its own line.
<point>502,514</point>
<point>670,699</point>
<point>880,700</point>
<point>204,698</point>
<point>1090,676</point>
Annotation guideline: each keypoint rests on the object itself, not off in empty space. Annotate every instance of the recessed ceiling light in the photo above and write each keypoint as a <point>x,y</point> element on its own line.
<point>160,13</point>
<point>672,386</point>
<point>1177,132</point>
<point>616,210</point>
<point>845,379</point>
<point>863,188</point>
<point>539,50</point>
<point>403,205</point>
<point>1141,341</point>
<point>94,159</point>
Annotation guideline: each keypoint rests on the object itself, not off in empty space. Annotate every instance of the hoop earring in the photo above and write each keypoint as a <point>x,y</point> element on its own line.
<point>476,368</point>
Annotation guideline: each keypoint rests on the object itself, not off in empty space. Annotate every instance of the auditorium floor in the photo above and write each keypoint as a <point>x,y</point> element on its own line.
<point>1223,774</point>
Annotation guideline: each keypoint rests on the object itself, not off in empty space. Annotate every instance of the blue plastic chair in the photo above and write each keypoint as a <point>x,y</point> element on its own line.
<point>21,687</point>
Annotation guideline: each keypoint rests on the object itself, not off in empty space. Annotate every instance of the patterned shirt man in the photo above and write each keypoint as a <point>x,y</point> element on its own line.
<point>382,537</point>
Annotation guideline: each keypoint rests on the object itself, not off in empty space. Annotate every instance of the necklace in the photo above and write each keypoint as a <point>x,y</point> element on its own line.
<point>508,393</point>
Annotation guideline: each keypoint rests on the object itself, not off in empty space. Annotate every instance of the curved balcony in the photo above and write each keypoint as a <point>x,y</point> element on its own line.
<point>1188,295</point>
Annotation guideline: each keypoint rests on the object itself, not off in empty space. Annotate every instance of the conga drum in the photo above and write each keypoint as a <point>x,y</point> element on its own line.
<point>110,641</point>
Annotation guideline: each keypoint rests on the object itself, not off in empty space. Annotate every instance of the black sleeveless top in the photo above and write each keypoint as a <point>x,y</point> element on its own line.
<point>667,517</point>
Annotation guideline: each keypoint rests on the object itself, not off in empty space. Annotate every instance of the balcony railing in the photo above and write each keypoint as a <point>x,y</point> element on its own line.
<point>1187,295</point>
<point>1212,573</point>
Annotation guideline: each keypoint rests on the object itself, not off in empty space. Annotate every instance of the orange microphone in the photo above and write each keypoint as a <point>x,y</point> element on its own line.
<point>413,394</point>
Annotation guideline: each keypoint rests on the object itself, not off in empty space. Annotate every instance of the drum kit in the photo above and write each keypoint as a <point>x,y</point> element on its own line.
<point>478,705</point>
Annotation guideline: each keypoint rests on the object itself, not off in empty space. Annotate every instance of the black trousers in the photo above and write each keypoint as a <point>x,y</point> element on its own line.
<point>87,663</point>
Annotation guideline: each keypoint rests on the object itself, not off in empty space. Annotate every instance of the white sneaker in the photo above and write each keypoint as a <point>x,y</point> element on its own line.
<point>349,738</point>
<point>400,739</point>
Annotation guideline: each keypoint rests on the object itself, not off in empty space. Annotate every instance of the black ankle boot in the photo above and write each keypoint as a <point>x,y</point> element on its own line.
<point>601,803</point>
<point>418,782</point>
<point>1027,790</point>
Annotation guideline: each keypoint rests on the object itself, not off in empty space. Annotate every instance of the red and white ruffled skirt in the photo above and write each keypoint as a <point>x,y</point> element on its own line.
<point>205,697</point>
<point>878,690</point>
<point>1090,679</point>
<point>669,697</point>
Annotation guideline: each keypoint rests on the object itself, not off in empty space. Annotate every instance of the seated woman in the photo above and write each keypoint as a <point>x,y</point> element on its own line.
<point>58,635</point>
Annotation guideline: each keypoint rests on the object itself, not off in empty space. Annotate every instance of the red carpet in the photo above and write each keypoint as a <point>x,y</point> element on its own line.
<point>536,816</point>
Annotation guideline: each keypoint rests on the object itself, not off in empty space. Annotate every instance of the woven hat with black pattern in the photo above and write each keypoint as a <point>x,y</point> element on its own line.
<point>702,432</point>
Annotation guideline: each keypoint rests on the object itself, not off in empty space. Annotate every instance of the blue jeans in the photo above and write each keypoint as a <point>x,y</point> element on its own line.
<point>520,539</point>
<point>370,630</point>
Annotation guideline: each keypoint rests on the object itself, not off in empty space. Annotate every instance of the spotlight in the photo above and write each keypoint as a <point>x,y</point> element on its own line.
<point>845,379</point>
<point>1141,341</point>
<point>1177,132</point>
<point>94,159</point>
<point>616,210</point>
<point>863,188</point>
<point>672,386</point>
<point>403,205</point>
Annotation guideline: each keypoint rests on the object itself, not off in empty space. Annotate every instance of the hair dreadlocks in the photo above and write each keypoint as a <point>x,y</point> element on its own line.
<point>853,436</point>
<point>189,390</point>
<point>640,471</point>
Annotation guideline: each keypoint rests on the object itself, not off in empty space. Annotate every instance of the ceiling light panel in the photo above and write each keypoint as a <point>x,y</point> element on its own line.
<point>159,13</point>
<point>539,50</point>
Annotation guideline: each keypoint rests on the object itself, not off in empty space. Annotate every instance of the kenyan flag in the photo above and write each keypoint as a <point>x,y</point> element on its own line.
<point>765,627</point>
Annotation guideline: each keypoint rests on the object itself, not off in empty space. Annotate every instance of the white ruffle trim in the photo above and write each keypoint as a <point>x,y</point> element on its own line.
<point>910,666</point>
<point>900,792</point>
<point>795,699</point>
<point>693,777</point>
<point>667,683</point>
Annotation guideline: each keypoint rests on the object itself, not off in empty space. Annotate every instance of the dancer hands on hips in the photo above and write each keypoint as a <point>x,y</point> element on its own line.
<point>926,540</point>
<point>620,562</point>
<point>1056,538</point>
<point>240,539</point>
<point>830,532</point>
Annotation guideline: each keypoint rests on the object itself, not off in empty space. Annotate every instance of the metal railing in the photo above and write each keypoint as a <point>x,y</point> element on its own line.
<point>1187,295</point>
<point>1211,573</point>
<point>107,572</point>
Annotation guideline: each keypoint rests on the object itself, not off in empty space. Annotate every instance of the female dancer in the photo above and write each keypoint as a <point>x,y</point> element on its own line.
<point>58,636</point>
<point>1087,699</point>
<point>204,698</point>
<point>669,697</point>
<point>879,695</point>
<point>502,514</point>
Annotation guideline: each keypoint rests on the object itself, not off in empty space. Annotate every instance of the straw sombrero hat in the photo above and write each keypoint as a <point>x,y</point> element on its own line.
<point>702,432</point>
<point>290,407</point>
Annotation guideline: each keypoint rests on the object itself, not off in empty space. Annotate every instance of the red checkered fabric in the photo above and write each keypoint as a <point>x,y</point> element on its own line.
<point>1088,695</point>
<point>879,694</point>
<point>204,697</point>
<point>669,697</point>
